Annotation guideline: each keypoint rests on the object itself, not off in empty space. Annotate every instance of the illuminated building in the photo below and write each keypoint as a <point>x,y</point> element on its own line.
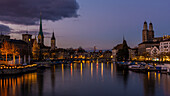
<point>148,40</point>
<point>165,46</point>
<point>44,51</point>
<point>154,46</point>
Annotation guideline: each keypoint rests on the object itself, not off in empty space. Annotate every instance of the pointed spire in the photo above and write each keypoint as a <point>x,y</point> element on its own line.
<point>53,37</point>
<point>124,41</point>
<point>40,30</point>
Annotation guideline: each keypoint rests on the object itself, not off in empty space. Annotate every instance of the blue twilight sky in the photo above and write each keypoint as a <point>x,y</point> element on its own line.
<point>103,23</point>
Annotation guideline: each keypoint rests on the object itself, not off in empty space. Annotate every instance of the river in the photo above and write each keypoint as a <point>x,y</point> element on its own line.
<point>85,79</point>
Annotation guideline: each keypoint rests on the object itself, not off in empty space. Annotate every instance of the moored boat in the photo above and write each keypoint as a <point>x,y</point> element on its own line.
<point>17,69</point>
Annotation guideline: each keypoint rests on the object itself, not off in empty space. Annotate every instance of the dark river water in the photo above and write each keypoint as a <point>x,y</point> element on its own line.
<point>86,79</point>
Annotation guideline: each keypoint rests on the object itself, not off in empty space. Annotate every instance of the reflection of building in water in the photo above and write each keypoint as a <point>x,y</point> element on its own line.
<point>123,74</point>
<point>112,70</point>
<point>92,70</point>
<point>97,69</point>
<point>40,82</point>
<point>71,69</point>
<point>166,85</point>
<point>149,84</point>
<point>62,68</point>
<point>53,77</point>
<point>102,70</point>
<point>14,86</point>
<point>81,70</point>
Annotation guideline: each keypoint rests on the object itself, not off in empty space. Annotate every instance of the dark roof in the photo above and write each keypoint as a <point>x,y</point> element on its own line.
<point>27,34</point>
<point>150,42</point>
<point>17,41</point>
<point>166,40</point>
<point>4,35</point>
<point>158,38</point>
<point>157,47</point>
<point>47,47</point>
<point>119,46</point>
<point>136,48</point>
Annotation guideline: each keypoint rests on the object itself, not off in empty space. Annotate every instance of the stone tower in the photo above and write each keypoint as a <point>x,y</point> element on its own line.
<point>41,35</point>
<point>145,32</point>
<point>53,42</point>
<point>151,32</point>
<point>26,37</point>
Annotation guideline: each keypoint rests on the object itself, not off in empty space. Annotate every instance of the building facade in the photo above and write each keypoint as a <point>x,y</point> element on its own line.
<point>165,46</point>
<point>148,39</point>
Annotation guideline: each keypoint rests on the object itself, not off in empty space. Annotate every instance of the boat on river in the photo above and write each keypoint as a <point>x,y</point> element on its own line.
<point>144,67</point>
<point>17,69</point>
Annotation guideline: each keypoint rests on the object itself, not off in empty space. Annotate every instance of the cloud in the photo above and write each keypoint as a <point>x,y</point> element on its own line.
<point>27,12</point>
<point>5,29</point>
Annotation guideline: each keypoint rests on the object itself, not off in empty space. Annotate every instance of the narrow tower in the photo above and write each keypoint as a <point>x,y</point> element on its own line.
<point>53,42</point>
<point>151,32</point>
<point>145,32</point>
<point>41,35</point>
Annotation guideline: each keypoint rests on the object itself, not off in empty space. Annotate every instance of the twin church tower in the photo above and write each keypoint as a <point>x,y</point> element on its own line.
<point>41,37</point>
<point>147,35</point>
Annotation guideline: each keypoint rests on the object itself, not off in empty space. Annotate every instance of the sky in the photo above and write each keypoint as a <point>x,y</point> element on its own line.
<point>86,23</point>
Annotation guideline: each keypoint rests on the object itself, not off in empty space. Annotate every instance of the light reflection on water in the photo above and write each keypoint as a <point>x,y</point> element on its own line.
<point>86,79</point>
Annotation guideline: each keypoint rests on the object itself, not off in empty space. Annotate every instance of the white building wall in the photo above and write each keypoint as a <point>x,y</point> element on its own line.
<point>165,46</point>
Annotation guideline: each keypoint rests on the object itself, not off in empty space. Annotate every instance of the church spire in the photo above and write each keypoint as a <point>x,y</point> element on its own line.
<point>40,35</point>
<point>53,37</point>
<point>40,30</point>
<point>53,42</point>
<point>123,38</point>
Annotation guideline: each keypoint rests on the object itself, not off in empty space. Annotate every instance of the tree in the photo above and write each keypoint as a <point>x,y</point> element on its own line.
<point>81,50</point>
<point>146,55</point>
<point>107,54</point>
<point>35,50</point>
<point>14,51</point>
<point>6,49</point>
